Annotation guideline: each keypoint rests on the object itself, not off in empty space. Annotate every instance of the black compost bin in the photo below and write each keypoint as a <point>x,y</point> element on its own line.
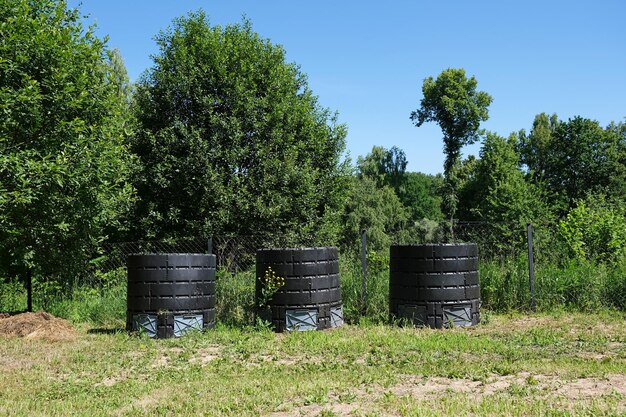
<point>307,293</point>
<point>170,293</point>
<point>435,285</point>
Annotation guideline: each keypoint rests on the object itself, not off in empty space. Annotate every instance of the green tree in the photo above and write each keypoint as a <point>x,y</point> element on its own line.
<point>232,139</point>
<point>535,147</point>
<point>420,194</point>
<point>617,182</point>
<point>385,166</point>
<point>63,162</point>
<point>572,158</point>
<point>375,209</point>
<point>373,166</point>
<point>500,194</point>
<point>453,102</point>
<point>469,188</point>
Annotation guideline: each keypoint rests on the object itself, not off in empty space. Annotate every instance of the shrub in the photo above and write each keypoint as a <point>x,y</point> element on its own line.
<point>595,230</point>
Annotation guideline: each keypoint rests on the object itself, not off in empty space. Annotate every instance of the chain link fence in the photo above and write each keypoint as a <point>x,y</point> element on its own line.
<point>504,269</point>
<point>237,253</point>
<point>508,280</point>
<point>233,253</point>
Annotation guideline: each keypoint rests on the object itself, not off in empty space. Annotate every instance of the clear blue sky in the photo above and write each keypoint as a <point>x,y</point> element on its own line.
<point>367,60</point>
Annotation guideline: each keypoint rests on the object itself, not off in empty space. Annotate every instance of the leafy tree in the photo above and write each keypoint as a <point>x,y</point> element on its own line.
<point>396,167</point>
<point>373,166</point>
<point>535,147</point>
<point>420,194</point>
<point>385,166</point>
<point>499,193</point>
<point>375,209</point>
<point>617,182</point>
<point>574,158</point>
<point>63,163</point>
<point>469,188</point>
<point>232,139</point>
<point>453,102</point>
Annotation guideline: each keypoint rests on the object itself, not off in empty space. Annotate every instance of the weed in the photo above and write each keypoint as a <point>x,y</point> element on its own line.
<point>270,284</point>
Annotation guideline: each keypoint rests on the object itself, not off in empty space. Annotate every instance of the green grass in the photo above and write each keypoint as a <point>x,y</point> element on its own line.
<point>504,287</point>
<point>513,365</point>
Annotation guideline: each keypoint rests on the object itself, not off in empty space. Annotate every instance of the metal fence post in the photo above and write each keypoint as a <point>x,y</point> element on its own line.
<point>531,267</point>
<point>210,245</point>
<point>364,269</point>
<point>29,290</point>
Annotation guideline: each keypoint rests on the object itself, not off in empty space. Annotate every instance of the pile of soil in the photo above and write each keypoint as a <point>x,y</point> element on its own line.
<point>40,325</point>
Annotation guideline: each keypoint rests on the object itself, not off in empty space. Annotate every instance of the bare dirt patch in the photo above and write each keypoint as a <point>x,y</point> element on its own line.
<point>40,325</point>
<point>434,388</point>
<point>205,355</point>
<point>171,357</point>
<point>592,387</point>
<point>108,382</point>
<point>316,410</point>
<point>577,389</point>
<point>10,363</point>
<point>533,322</point>
<point>143,404</point>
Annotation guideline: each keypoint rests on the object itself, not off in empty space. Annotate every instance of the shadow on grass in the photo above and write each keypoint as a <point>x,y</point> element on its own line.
<point>106,330</point>
<point>11,313</point>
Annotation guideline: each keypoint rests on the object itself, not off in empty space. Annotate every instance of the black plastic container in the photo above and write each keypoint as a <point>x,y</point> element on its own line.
<point>309,295</point>
<point>435,285</point>
<point>170,293</point>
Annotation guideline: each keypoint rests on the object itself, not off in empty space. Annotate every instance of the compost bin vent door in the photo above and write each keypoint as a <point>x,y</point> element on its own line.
<point>187,322</point>
<point>458,316</point>
<point>146,323</point>
<point>415,313</point>
<point>301,320</point>
<point>336,316</point>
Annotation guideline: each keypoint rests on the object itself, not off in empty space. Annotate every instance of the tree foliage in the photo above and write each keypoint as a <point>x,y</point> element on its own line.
<point>232,139</point>
<point>595,229</point>
<point>497,193</point>
<point>384,166</point>
<point>453,102</point>
<point>572,158</point>
<point>375,209</point>
<point>63,163</point>
<point>420,194</point>
<point>535,147</point>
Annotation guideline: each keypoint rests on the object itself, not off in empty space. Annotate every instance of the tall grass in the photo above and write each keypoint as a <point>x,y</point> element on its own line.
<point>235,297</point>
<point>374,305</point>
<point>12,296</point>
<point>582,286</point>
<point>576,285</point>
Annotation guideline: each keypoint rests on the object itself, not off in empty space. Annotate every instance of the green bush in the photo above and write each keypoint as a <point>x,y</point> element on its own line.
<point>576,285</point>
<point>615,294</point>
<point>102,308</point>
<point>102,304</point>
<point>595,230</point>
